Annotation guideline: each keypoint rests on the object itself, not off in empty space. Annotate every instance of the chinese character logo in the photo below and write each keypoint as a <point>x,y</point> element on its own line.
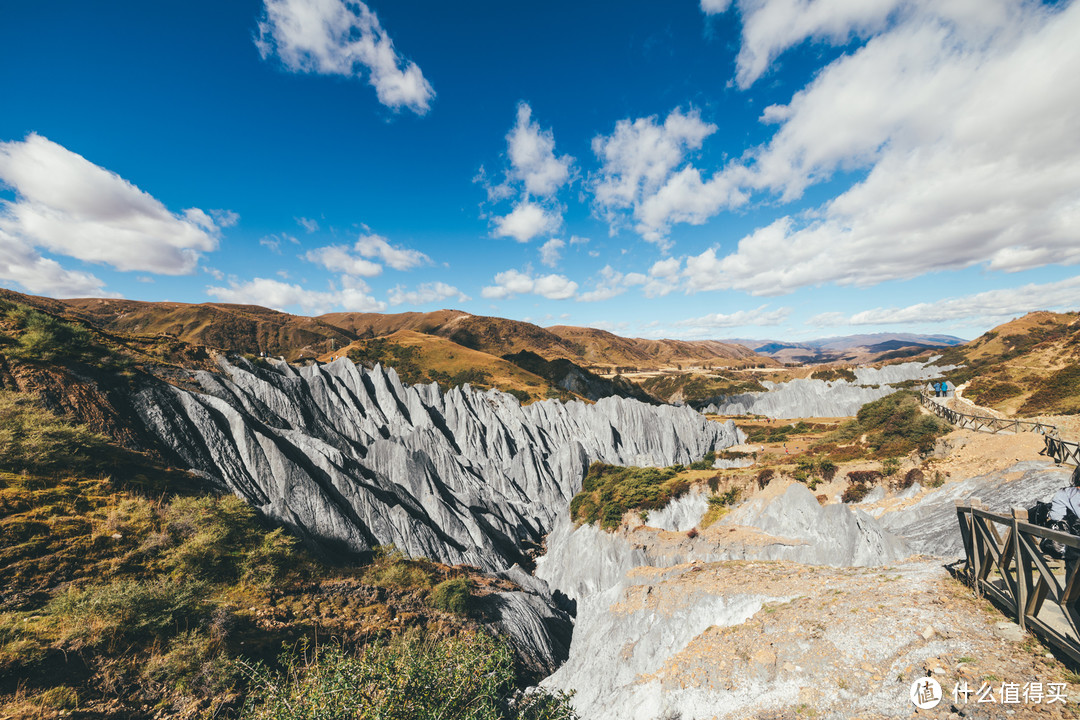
<point>925,693</point>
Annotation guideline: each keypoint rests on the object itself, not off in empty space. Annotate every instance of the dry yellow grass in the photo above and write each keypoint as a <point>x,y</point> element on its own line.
<point>445,356</point>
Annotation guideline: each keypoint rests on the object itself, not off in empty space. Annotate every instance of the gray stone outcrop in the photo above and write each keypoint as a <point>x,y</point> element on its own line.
<point>352,459</point>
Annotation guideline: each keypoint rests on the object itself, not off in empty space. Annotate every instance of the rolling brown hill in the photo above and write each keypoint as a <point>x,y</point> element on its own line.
<point>600,347</point>
<point>585,346</point>
<point>254,329</point>
<point>1028,366</point>
<point>239,328</point>
<point>420,358</point>
<point>492,335</point>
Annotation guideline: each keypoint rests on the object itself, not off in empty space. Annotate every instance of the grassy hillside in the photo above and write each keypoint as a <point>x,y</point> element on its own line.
<point>129,591</point>
<point>420,358</point>
<point>236,328</point>
<point>491,335</point>
<point>602,348</point>
<point>699,387</point>
<point>570,377</point>
<point>1029,366</point>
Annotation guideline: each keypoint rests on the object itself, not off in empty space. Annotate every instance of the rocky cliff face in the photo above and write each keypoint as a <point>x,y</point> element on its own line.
<point>776,604</point>
<point>352,459</point>
<point>804,398</point>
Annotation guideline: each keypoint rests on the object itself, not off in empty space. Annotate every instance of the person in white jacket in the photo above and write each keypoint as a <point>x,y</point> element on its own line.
<point>1066,499</point>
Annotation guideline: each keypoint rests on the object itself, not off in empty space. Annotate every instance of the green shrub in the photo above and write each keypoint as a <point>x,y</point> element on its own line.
<point>1060,392</point>
<point>453,595</point>
<point>45,339</point>
<point>392,569</point>
<point>129,609</point>
<point>894,426</point>
<point>704,463</point>
<point>407,678</point>
<point>521,395</point>
<point>890,466</point>
<point>855,492</point>
<point>608,492</point>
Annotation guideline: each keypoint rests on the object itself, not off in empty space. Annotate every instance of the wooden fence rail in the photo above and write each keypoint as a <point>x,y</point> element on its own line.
<point>1005,564</point>
<point>1062,451</point>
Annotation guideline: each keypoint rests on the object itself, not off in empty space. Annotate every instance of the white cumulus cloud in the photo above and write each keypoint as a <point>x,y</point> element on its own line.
<point>990,307</point>
<point>526,221</point>
<point>551,252</point>
<point>644,171</point>
<point>514,282</point>
<point>359,260</point>
<point>21,263</point>
<point>342,37</point>
<point>339,258</point>
<point>67,205</point>
<point>534,174</point>
<point>399,258</point>
<point>532,156</point>
<point>353,296</point>
<point>760,316</point>
<point>426,293</point>
<point>956,113</point>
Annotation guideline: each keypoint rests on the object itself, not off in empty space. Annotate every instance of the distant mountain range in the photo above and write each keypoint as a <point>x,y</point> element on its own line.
<point>849,348</point>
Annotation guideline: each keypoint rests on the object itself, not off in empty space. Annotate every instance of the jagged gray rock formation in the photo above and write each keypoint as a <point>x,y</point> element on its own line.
<point>901,372</point>
<point>539,624</point>
<point>801,398</point>
<point>613,650</point>
<point>352,459</point>
<point>586,561</point>
<point>682,513</point>
<point>806,397</point>
<point>836,535</point>
<point>922,523</point>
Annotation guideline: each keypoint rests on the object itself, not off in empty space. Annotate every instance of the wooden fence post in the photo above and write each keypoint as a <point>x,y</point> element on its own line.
<point>1019,515</point>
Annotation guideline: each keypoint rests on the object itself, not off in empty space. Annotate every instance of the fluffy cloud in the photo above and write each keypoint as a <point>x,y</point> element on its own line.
<point>67,205</point>
<point>760,316</point>
<point>339,258</point>
<point>358,260</point>
<point>643,171</point>
<point>532,156</point>
<point>535,174</point>
<point>610,283</point>
<point>339,37</point>
<point>551,251</point>
<point>20,263</point>
<point>308,224</point>
<point>376,246</point>
<point>354,296</point>
<point>661,279</point>
<point>990,307</point>
<point>526,221</point>
<point>426,293</point>
<point>957,118</point>
<point>513,282</point>
<point>773,26</point>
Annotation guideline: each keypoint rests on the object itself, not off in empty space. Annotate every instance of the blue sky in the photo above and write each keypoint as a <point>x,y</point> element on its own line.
<point>722,168</point>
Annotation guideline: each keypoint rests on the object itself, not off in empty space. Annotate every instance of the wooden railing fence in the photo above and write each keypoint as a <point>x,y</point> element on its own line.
<point>1005,564</point>
<point>1061,451</point>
